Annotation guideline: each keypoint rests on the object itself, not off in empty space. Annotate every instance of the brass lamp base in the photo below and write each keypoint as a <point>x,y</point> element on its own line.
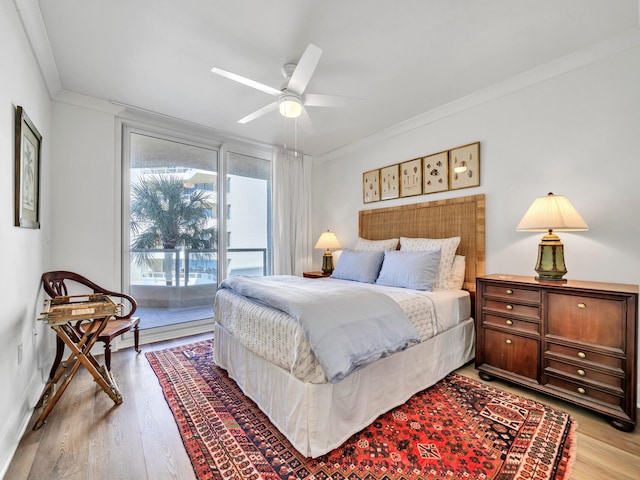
<point>550,265</point>
<point>327,263</point>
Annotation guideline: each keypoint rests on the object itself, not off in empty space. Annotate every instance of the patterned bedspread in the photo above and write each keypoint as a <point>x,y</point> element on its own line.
<point>278,338</point>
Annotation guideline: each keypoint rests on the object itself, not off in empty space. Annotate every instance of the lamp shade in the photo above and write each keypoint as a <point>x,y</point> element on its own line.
<point>553,212</point>
<point>328,241</point>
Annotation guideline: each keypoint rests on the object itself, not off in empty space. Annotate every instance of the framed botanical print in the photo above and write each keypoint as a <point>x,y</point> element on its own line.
<point>27,172</point>
<point>371,186</point>
<point>464,166</point>
<point>389,182</point>
<point>436,172</point>
<point>411,178</point>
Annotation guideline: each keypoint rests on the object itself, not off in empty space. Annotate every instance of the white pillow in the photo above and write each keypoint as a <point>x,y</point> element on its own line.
<point>416,270</point>
<point>457,272</point>
<point>447,247</point>
<point>364,245</point>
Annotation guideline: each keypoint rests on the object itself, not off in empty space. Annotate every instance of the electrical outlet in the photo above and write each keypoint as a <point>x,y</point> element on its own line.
<point>20,352</point>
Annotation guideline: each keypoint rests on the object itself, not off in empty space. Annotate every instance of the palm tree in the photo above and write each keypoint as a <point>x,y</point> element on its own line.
<point>164,215</point>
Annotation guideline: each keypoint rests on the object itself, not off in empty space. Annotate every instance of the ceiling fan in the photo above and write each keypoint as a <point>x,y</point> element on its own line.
<point>291,96</point>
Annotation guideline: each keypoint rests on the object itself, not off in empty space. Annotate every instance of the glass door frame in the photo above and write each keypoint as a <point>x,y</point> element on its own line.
<point>129,128</point>
<point>206,139</point>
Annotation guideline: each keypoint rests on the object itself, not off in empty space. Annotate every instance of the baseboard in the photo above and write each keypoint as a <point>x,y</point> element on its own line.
<point>18,422</point>
<point>162,334</point>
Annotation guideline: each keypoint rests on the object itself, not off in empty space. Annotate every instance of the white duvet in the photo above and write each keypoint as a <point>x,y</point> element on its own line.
<point>347,328</point>
<point>277,337</point>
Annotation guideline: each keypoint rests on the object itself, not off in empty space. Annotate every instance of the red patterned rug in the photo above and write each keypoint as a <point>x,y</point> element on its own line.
<point>457,429</point>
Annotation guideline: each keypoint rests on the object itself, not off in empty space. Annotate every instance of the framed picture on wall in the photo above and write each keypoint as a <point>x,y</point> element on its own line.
<point>371,186</point>
<point>436,172</point>
<point>411,178</point>
<point>27,172</point>
<point>464,166</point>
<point>390,182</point>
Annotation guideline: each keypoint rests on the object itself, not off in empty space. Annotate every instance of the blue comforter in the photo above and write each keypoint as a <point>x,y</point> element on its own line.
<point>347,326</point>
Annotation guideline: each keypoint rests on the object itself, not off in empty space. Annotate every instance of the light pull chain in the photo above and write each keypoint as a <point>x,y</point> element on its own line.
<point>295,137</point>
<point>295,134</point>
<point>284,131</point>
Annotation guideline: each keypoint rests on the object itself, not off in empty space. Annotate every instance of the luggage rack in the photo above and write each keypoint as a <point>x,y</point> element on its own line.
<point>64,314</point>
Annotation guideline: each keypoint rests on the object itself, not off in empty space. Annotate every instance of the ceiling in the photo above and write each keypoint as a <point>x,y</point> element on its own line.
<point>397,59</point>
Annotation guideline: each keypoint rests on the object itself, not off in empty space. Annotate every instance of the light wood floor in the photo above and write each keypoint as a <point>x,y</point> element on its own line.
<point>87,437</point>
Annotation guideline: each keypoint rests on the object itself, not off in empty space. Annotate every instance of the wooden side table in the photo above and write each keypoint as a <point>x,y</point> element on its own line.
<point>315,274</point>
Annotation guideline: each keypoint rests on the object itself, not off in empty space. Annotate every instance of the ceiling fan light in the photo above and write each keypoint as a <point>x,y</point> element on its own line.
<point>290,106</point>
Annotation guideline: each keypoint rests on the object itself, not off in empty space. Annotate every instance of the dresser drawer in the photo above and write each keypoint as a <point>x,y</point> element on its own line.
<point>511,308</point>
<point>585,373</point>
<point>510,323</point>
<point>586,392</point>
<point>586,356</point>
<point>598,321</point>
<point>511,293</point>
<point>512,353</point>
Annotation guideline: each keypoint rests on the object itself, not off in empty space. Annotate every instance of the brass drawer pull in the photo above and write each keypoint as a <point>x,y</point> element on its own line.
<point>582,355</point>
<point>509,292</point>
<point>509,322</point>
<point>581,372</point>
<point>509,307</point>
<point>582,305</point>
<point>508,341</point>
<point>581,391</point>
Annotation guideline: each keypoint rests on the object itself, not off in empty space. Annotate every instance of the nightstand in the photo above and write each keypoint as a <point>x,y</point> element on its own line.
<point>315,274</point>
<point>574,340</point>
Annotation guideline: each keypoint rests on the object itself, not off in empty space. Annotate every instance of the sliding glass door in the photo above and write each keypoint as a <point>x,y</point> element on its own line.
<point>191,220</point>
<point>248,215</point>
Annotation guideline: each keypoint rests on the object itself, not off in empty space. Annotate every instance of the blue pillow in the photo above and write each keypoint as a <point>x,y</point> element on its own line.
<point>416,270</point>
<point>358,266</point>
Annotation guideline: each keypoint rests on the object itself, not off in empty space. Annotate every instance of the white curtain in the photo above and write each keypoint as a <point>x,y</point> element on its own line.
<point>291,212</point>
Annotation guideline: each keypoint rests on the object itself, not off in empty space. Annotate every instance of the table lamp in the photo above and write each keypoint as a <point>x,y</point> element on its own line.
<point>327,241</point>
<point>553,212</point>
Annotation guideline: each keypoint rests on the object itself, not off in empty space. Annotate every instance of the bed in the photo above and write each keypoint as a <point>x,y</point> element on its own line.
<point>317,415</point>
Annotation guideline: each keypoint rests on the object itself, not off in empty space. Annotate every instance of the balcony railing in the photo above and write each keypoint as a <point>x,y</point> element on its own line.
<point>185,267</point>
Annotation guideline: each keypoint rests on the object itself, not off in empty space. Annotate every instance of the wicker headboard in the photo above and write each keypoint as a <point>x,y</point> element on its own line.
<point>463,217</point>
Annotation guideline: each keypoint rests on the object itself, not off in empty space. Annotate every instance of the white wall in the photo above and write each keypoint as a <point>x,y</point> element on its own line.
<point>24,251</point>
<point>85,194</point>
<point>577,134</point>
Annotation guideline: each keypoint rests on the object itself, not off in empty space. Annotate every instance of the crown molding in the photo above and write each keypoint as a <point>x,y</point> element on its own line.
<point>33,25</point>
<point>625,41</point>
<point>85,101</point>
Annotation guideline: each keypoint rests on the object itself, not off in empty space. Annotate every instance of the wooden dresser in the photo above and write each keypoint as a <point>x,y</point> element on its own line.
<point>574,340</point>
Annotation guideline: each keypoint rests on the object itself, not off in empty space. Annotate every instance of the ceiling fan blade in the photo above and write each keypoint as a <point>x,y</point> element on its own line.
<point>305,68</point>
<point>317,100</point>
<point>246,81</point>
<point>258,113</point>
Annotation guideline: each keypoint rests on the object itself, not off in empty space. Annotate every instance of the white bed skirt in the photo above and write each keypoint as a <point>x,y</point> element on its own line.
<point>316,418</point>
